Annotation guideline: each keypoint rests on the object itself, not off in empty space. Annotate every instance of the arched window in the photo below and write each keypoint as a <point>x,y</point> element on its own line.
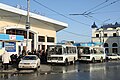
<point>114,49</point>
<point>114,45</point>
<point>105,44</point>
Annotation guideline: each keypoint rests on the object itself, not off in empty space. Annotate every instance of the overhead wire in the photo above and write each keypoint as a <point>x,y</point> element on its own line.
<point>92,10</point>
<point>116,20</point>
<point>79,35</point>
<point>76,34</point>
<point>65,17</point>
<point>95,7</point>
<point>87,13</point>
<point>60,13</point>
<point>106,12</point>
<point>105,6</point>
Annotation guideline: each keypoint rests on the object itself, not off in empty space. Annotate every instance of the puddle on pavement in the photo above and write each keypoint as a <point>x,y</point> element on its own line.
<point>6,76</point>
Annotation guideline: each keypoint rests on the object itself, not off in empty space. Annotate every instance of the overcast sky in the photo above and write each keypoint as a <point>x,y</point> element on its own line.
<point>79,29</point>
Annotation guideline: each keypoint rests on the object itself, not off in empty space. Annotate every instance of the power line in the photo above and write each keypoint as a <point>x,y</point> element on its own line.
<point>93,18</point>
<point>105,6</point>
<point>60,13</point>
<point>87,13</point>
<point>95,6</point>
<point>91,12</point>
<point>106,12</point>
<point>116,20</point>
<point>76,34</point>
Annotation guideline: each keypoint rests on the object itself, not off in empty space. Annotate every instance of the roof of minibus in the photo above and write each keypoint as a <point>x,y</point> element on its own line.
<point>63,45</point>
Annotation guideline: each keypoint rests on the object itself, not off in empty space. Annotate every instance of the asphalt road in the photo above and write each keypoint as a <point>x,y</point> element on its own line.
<point>78,71</point>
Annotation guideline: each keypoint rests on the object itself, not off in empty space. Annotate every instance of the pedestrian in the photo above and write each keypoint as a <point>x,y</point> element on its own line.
<point>38,53</point>
<point>35,52</point>
<point>43,57</point>
<point>5,59</point>
<point>46,54</point>
<point>12,57</point>
<point>23,52</point>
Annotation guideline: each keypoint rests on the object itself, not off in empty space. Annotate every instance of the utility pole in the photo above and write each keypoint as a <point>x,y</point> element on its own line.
<point>28,23</point>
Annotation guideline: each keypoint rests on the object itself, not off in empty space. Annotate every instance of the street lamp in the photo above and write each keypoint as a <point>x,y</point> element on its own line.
<point>28,23</point>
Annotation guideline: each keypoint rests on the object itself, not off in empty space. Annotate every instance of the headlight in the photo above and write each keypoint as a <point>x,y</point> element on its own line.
<point>21,63</point>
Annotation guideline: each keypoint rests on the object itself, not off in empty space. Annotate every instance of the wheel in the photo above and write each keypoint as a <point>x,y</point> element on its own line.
<point>110,59</point>
<point>18,69</point>
<point>36,68</point>
<point>101,59</point>
<point>118,58</point>
<point>74,60</point>
<point>66,61</point>
<point>93,60</point>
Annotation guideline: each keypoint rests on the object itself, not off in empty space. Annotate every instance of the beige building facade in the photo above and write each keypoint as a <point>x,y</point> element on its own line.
<point>109,36</point>
<point>42,30</point>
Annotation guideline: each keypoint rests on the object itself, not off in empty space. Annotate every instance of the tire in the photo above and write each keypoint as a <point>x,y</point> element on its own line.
<point>18,69</point>
<point>118,58</point>
<point>101,59</point>
<point>93,60</point>
<point>36,68</point>
<point>110,59</point>
<point>74,61</point>
<point>66,61</point>
<point>39,66</point>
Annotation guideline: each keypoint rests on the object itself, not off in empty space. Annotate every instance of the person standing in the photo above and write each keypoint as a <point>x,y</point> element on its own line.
<point>5,59</point>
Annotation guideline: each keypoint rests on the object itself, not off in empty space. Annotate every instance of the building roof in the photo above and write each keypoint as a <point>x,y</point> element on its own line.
<point>9,13</point>
<point>94,25</point>
<point>111,25</point>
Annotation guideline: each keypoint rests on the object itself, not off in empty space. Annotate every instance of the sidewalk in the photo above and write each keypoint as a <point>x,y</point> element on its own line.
<point>10,69</point>
<point>44,69</point>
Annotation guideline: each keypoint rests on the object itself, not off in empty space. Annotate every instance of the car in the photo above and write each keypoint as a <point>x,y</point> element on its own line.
<point>29,62</point>
<point>112,56</point>
<point>118,56</point>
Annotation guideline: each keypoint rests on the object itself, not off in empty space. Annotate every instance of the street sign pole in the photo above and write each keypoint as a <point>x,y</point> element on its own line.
<point>28,23</point>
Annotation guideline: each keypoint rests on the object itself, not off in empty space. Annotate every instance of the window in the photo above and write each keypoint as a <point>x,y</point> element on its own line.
<point>114,35</point>
<point>105,35</point>
<point>23,33</point>
<point>105,44</point>
<point>97,35</point>
<point>114,45</point>
<point>41,38</point>
<point>50,39</point>
<point>114,49</point>
<point>106,50</point>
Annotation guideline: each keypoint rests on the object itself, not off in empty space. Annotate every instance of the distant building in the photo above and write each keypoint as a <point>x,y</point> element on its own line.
<point>109,35</point>
<point>42,30</point>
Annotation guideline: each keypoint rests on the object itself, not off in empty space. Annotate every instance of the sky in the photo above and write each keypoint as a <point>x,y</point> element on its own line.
<point>79,26</point>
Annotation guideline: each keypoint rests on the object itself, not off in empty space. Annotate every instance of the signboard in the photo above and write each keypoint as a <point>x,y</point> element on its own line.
<point>10,46</point>
<point>12,37</point>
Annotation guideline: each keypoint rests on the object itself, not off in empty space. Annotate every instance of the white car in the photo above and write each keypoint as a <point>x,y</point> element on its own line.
<point>112,56</point>
<point>29,62</point>
<point>118,56</point>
